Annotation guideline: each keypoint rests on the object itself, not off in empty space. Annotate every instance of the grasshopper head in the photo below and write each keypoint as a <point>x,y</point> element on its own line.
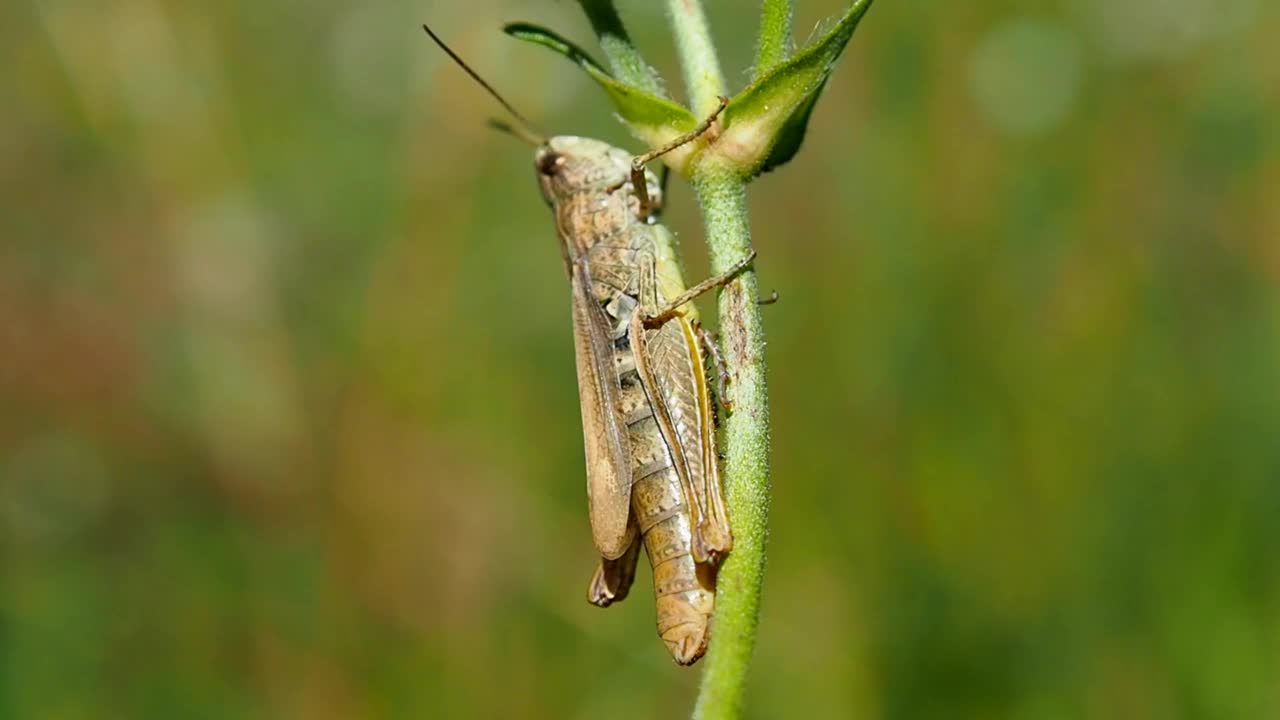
<point>568,164</point>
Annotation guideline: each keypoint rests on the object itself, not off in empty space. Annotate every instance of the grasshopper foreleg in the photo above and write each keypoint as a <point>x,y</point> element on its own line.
<point>641,188</point>
<point>673,308</point>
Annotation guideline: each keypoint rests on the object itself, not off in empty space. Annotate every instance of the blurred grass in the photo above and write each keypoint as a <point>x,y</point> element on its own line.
<point>289,423</point>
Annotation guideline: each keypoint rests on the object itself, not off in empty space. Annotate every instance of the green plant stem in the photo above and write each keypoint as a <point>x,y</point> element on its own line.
<point>624,59</point>
<point>722,195</point>
<point>703,79</point>
<point>775,35</point>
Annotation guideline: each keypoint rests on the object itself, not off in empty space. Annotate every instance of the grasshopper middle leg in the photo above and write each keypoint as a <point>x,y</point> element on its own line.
<point>672,308</point>
<point>722,370</point>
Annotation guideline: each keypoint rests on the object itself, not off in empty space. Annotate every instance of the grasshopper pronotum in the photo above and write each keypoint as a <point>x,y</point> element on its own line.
<point>648,418</point>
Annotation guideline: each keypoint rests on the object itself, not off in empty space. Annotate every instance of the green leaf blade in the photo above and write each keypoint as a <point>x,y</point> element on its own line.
<point>624,58</point>
<point>765,124</point>
<point>653,119</point>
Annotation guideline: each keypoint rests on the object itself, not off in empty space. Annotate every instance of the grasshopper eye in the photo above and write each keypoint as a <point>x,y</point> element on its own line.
<point>549,163</point>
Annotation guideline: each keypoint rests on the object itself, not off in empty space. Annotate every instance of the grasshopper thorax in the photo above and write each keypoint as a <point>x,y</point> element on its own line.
<point>568,164</point>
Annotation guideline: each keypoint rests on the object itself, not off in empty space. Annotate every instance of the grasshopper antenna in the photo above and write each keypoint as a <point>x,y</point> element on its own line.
<point>523,129</point>
<point>518,131</point>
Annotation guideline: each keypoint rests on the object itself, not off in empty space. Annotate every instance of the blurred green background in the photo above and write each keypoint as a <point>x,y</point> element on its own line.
<point>288,418</point>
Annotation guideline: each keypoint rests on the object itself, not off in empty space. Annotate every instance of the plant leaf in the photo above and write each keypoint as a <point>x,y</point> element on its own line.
<point>791,136</point>
<point>624,58</point>
<point>652,119</point>
<point>765,124</point>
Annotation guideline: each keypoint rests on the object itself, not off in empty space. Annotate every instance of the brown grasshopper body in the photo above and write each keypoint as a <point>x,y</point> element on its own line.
<point>647,413</point>
<point>644,388</point>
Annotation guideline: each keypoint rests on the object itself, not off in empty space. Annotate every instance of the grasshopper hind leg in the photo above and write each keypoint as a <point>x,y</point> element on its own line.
<point>612,579</point>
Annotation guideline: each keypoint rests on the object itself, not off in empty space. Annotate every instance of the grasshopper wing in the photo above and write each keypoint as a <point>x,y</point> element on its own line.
<point>604,430</point>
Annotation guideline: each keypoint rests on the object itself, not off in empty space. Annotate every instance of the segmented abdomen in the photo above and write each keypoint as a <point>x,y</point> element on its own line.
<point>684,599</point>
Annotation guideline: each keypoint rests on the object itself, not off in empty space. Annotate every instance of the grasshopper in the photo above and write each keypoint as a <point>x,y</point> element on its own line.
<point>648,419</point>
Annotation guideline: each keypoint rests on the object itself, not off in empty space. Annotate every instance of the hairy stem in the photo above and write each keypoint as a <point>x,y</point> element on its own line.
<point>775,35</point>
<point>703,78</point>
<point>722,195</point>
